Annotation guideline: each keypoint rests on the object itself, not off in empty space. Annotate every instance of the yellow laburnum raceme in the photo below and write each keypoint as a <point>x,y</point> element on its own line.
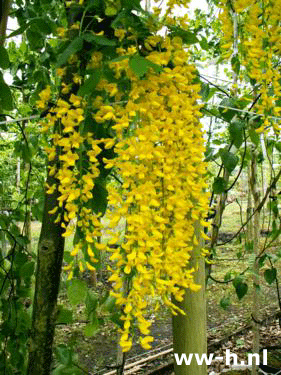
<point>75,186</point>
<point>259,44</point>
<point>163,194</point>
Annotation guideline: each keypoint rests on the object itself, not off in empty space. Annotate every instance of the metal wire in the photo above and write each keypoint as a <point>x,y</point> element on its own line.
<point>19,120</point>
<point>245,111</point>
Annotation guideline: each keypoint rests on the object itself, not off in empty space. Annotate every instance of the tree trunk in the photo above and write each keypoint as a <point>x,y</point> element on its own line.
<point>49,258</point>
<point>249,211</point>
<point>190,330</point>
<point>220,207</point>
<point>5,8</point>
<point>256,240</point>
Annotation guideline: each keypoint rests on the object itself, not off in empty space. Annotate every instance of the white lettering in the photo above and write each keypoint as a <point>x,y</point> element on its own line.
<point>183,358</point>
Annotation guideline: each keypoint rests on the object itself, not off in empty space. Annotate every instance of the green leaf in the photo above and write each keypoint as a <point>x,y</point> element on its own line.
<point>109,304</point>
<point>63,354</point>
<point>99,201</point>
<point>262,260</point>
<point>75,46</point>
<point>140,65</point>
<point>4,58</point>
<point>278,146</point>
<point>219,185</point>
<point>99,39</point>
<point>236,132</point>
<point>59,370</point>
<point>204,43</point>
<point>27,270</point>
<point>187,36</point>
<point>19,30</point>
<point>225,302</point>
<point>241,290</point>
<point>120,58</point>
<point>6,99</point>
<point>111,11</point>
<point>238,280</point>
<point>205,91</point>
<point>131,4</point>
<point>41,25</point>
<point>93,328</point>
<point>229,160</point>
<point>115,318</point>
<point>91,301</point>
<point>77,292</point>
<point>20,259</point>
<point>90,84</point>
<point>64,315</point>
<point>227,113</point>
<point>254,136</point>
<point>270,275</point>
<point>35,40</point>
<point>227,276</point>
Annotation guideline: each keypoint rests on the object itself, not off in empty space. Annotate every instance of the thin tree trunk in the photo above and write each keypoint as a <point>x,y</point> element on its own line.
<point>5,8</point>
<point>190,330</point>
<point>49,258</point>
<point>18,175</point>
<point>217,223</point>
<point>249,208</point>
<point>121,358</point>
<point>256,240</point>
<point>27,228</point>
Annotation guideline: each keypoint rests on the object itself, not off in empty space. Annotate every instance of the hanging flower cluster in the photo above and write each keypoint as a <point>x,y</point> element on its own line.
<point>259,47</point>
<point>163,190</point>
<point>78,169</point>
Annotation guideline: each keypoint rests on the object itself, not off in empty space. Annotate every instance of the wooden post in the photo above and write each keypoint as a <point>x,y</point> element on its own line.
<point>190,330</point>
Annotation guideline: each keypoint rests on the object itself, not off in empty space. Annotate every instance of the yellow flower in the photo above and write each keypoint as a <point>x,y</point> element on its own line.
<point>61,71</point>
<point>90,267</point>
<point>69,158</point>
<point>53,211</point>
<point>61,32</point>
<point>75,100</point>
<point>126,345</point>
<point>144,341</point>
<point>65,88</point>
<point>120,34</point>
<point>77,78</point>
<point>75,26</point>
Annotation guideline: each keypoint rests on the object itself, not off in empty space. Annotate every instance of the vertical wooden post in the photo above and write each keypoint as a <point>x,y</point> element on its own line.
<point>190,330</point>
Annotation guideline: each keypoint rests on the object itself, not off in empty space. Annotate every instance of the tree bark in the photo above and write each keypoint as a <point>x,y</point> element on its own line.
<point>49,258</point>
<point>5,8</point>
<point>216,225</point>
<point>190,330</point>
